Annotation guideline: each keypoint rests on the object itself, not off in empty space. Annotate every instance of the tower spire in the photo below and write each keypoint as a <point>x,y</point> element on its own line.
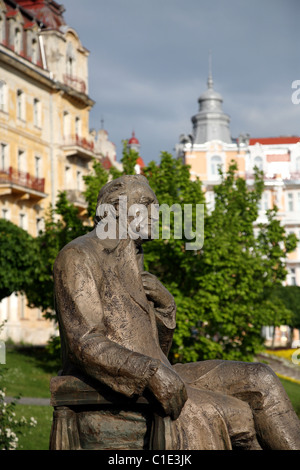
<point>210,82</point>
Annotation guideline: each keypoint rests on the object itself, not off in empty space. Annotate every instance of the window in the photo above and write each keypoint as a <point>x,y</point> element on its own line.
<point>3,157</point>
<point>22,221</point>
<point>216,163</point>
<point>292,277</point>
<point>20,105</point>
<point>18,41</point>
<point>21,161</point>
<point>290,202</point>
<point>4,214</point>
<point>77,126</point>
<point>39,225</point>
<point>78,180</point>
<point>22,307</point>
<point>2,96</point>
<point>2,28</point>
<point>264,203</point>
<point>67,177</point>
<point>37,112</point>
<point>37,167</point>
<point>34,51</point>
<point>258,162</point>
<point>66,124</point>
<point>298,164</point>
<point>70,60</point>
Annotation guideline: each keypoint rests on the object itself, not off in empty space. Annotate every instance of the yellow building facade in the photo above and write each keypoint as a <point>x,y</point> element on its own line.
<point>45,141</point>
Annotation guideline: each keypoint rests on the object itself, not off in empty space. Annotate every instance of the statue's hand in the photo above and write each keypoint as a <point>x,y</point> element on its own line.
<point>169,389</point>
<point>155,291</point>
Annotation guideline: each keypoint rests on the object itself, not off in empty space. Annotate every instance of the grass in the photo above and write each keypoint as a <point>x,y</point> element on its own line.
<point>28,373</point>
<point>35,438</point>
<point>293,391</point>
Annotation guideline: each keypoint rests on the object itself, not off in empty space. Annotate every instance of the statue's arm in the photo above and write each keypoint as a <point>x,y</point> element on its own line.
<point>82,325</point>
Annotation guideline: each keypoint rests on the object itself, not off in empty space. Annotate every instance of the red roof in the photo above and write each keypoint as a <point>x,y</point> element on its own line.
<point>274,140</point>
<point>140,162</point>
<point>133,139</point>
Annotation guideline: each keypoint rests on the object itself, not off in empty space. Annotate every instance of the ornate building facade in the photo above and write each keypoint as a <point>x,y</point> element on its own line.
<point>45,142</point>
<point>210,146</point>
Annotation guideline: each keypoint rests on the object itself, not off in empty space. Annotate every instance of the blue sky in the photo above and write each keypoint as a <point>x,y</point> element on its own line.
<point>148,65</point>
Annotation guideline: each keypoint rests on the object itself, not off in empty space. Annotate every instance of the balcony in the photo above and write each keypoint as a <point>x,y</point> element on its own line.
<point>21,183</point>
<point>74,82</point>
<point>76,145</point>
<point>76,197</point>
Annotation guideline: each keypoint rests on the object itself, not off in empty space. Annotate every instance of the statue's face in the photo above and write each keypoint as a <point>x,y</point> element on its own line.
<point>141,205</point>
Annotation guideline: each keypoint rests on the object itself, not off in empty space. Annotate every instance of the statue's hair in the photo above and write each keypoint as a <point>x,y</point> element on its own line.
<point>119,186</point>
<point>110,192</point>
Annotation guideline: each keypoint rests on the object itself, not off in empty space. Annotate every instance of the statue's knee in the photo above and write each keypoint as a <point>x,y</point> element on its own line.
<point>262,375</point>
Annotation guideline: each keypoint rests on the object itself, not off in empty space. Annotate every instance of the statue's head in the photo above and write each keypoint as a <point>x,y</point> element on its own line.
<point>129,200</point>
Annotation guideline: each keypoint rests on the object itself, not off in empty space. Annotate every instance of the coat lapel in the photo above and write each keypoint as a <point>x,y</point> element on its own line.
<point>128,270</point>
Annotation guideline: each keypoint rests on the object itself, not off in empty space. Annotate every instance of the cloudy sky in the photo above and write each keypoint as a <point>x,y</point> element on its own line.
<point>148,65</point>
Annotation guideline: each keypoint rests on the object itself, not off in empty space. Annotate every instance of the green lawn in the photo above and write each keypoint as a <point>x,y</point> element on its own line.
<point>28,373</point>
<point>293,391</point>
<point>35,438</point>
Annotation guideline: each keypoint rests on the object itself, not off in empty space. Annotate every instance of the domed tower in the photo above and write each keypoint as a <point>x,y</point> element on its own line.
<point>211,123</point>
<point>133,143</point>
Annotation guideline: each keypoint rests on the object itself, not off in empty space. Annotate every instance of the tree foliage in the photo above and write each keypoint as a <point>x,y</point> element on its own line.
<point>290,297</point>
<point>62,224</point>
<point>18,259</point>
<point>222,290</point>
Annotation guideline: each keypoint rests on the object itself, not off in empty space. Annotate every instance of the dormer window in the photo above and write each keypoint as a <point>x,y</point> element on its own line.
<point>34,51</point>
<point>2,28</point>
<point>18,41</point>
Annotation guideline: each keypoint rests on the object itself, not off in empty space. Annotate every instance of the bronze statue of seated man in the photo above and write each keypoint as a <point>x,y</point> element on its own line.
<point>116,325</point>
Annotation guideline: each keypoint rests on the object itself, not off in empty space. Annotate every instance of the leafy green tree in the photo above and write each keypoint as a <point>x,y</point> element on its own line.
<point>62,224</point>
<point>94,181</point>
<point>289,297</point>
<point>18,259</point>
<point>220,289</point>
<point>128,160</point>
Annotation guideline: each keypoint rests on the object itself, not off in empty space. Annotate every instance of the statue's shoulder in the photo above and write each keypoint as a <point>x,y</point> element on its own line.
<point>81,248</point>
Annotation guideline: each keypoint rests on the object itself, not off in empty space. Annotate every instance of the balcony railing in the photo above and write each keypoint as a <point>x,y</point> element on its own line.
<point>286,176</point>
<point>77,83</point>
<point>22,178</point>
<point>79,142</point>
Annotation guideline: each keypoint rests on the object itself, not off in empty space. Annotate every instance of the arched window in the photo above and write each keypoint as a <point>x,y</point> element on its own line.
<point>70,60</point>
<point>215,164</point>
<point>258,162</point>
